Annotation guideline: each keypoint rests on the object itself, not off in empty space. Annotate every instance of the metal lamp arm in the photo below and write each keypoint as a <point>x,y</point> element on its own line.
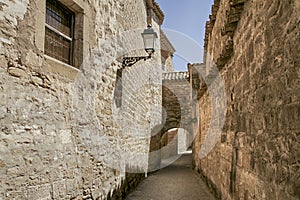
<point>129,61</point>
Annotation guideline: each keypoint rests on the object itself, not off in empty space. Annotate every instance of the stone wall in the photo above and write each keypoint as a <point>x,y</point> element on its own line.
<point>185,141</point>
<point>169,146</point>
<point>61,134</point>
<point>167,52</point>
<point>176,113</point>
<point>176,100</point>
<point>255,45</point>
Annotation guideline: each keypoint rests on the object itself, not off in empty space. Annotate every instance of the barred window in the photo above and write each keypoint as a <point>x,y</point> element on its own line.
<point>59,33</point>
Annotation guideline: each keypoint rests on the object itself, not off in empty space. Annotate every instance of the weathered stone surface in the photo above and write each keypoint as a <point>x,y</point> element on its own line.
<point>255,157</point>
<point>177,101</point>
<point>61,134</point>
<point>177,113</point>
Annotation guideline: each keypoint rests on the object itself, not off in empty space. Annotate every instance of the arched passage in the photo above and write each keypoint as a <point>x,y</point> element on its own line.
<point>177,115</point>
<point>175,141</point>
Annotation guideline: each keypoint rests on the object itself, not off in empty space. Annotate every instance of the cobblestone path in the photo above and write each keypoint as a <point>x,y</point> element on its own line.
<point>178,181</point>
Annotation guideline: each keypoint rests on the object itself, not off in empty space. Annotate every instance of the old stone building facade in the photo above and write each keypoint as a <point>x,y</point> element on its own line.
<point>74,124</point>
<point>62,134</point>
<point>167,51</point>
<point>251,150</point>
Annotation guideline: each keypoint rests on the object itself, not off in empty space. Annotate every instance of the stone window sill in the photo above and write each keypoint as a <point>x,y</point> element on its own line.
<point>55,66</point>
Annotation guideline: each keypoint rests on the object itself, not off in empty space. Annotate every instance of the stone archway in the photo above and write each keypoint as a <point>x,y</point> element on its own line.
<point>177,114</point>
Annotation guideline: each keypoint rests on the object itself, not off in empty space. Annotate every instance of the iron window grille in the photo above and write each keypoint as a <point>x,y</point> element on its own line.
<point>59,32</point>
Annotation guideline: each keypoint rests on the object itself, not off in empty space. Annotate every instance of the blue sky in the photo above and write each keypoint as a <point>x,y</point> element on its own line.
<point>185,27</point>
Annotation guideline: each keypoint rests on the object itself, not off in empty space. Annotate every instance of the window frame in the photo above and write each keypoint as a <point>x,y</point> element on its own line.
<point>65,10</point>
<point>81,38</point>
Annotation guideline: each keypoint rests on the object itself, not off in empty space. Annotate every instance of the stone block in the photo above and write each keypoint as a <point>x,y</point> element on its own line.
<point>17,194</point>
<point>39,192</point>
<point>65,136</point>
<point>17,72</point>
<point>59,189</point>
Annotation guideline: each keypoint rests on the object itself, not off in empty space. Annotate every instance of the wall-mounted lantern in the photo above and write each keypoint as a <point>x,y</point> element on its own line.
<point>149,37</point>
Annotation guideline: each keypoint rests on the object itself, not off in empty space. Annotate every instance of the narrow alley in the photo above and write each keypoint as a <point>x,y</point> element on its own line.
<point>94,94</point>
<point>177,181</point>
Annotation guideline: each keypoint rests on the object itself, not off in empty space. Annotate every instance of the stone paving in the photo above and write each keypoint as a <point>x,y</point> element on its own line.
<point>177,181</point>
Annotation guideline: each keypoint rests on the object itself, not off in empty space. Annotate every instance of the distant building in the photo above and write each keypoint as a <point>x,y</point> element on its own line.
<point>167,52</point>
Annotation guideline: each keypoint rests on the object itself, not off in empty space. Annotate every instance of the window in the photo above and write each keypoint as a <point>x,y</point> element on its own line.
<point>59,32</point>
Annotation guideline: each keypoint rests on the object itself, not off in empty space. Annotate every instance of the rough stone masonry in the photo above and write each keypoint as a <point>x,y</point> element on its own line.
<point>61,134</point>
<point>255,45</point>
